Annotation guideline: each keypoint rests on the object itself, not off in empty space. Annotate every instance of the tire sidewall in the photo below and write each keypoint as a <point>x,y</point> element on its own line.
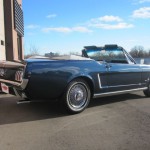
<point>147,92</point>
<point>66,99</point>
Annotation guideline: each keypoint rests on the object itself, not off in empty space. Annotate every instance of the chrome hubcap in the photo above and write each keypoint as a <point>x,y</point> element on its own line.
<point>77,96</point>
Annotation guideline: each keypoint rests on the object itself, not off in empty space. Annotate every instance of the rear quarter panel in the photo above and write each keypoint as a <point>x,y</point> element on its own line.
<point>48,80</point>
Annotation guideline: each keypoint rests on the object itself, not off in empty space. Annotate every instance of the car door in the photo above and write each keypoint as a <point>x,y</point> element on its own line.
<point>123,73</point>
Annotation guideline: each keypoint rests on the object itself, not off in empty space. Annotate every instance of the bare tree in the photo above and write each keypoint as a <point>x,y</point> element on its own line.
<point>140,52</point>
<point>51,54</point>
<point>149,53</point>
<point>33,51</point>
<point>137,51</point>
<point>75,53</point>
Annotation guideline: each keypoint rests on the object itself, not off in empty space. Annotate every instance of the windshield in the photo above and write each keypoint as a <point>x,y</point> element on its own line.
<point>109,55</point>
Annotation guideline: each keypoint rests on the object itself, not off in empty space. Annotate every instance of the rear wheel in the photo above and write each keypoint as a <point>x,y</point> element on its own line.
<point>77,96</point>
<point>147,92</point>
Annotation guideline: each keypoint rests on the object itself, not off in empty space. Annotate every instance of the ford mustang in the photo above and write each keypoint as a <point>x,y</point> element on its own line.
<point>75,80</point>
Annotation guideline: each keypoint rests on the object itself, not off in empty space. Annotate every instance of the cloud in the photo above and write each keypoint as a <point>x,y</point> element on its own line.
<point>143,13</point>
<point>137,2</point>
<point>32,26</point>
<point>143,1</point>
<point>108,19</point>
<point>57,29</point>
<point>121,25</point>
<point>105,22</point>
<point>81,29</point>
<point>67,29</point>
<point>51,16</point>
<point>109,22</point>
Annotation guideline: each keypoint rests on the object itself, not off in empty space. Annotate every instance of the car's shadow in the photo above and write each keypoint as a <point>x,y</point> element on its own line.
<point>10,112</point>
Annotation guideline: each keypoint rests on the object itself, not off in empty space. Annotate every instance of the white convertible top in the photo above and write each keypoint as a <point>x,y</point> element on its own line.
<point>70,57</point>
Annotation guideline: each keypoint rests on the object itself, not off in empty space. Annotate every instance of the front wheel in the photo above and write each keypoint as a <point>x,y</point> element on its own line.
<point>77,96</point>
<point>147,92</point>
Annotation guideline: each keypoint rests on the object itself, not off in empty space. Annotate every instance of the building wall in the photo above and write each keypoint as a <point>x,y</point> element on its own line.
<point>10,32</point>
<point>14,35</point>
<point>19,2</point>
<point>15,44</point>
<point>8,29</point>
<point>2,33</point>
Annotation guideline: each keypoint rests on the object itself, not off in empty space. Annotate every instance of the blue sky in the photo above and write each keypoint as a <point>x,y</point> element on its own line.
<point>65,26</point>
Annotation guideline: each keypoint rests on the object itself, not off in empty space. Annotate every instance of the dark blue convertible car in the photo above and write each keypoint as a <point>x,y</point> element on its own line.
<point>75,80</point>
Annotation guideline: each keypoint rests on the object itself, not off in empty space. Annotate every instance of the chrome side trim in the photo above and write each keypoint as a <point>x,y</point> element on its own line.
<point>118,92</point>
<point>124,85</point>
<point>99,81</point>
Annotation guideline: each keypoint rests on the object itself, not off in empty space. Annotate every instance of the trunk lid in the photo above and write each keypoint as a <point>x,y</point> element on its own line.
<point>11,71</point>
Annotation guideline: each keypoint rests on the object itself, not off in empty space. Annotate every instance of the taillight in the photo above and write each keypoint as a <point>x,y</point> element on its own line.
<point>19,76</point>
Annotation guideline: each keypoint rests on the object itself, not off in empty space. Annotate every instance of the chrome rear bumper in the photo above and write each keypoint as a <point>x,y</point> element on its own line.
<point>21,85</point>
